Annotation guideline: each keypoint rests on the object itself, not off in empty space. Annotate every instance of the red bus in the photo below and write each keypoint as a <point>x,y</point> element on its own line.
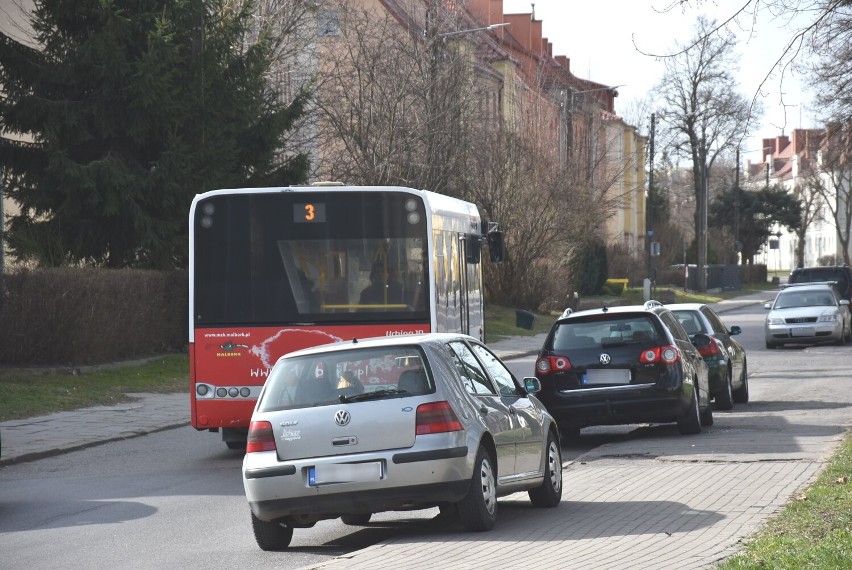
<point>272,270</point>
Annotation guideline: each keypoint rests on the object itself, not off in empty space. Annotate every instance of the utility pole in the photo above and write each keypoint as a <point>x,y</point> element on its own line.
<point>737,245</point>
<point>702,221</point>
<point>2,226</point>
<point>650,204</point>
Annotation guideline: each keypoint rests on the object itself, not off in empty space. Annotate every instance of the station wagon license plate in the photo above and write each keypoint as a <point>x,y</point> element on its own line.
<point>802,331</point>
<point>344,473</point>
<point>606,376</point>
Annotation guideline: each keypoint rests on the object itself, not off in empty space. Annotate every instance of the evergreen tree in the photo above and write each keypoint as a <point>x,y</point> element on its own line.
<point>591,267</point>
<point>132,108</point>
<point>759,212</point>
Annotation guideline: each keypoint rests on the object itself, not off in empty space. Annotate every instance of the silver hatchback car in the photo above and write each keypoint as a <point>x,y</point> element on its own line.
<point>403,423</point>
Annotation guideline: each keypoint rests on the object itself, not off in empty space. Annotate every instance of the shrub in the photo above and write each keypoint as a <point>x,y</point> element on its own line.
<point>74,316</point>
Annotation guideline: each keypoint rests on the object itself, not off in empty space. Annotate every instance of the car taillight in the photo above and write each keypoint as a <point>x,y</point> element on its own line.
<point>260,437</point>
<point>436,417</point>
<point>711,349</point>
<point>547,364</point>
<point>667,354</point>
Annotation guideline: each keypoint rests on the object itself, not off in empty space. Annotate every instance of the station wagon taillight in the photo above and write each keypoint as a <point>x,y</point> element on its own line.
<point>260,437</point>
<point>547,364</point>
<point>667,354</point>
<point>712,349</point>
<point>436,417</point>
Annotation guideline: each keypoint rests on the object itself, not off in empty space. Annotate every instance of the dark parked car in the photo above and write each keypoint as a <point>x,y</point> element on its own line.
<point>841,274</point>
<point>400,423</point>
<point>622,365</point>
<point>725,358</point>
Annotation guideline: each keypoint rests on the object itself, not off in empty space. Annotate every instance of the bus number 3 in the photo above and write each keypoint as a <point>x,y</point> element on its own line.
<point>309,212</point>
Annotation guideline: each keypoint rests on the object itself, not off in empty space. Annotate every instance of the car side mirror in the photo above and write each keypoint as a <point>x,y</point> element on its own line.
<point>700,340</point>
<point>767,306</point>
<point>532,384</point>
<point>735,330</point>
<point>844,301</point>
<point>496,246</point>
<point>473,248</point>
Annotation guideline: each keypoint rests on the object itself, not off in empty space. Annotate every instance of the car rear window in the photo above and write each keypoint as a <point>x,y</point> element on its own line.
<point>595,331</point>
<point>331,377</point>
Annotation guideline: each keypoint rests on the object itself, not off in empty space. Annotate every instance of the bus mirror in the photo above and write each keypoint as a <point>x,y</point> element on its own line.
<point>496,246</point>
<point>473,248</point>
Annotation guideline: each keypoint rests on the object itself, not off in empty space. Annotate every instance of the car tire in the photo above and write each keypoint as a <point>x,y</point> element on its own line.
<point>236,445</point>
<point>478,510</point>
<point>725,399</point>
<point>741,393</point>
<point>772,345</point>
<point>271,536</point>
<point>706,415</point>
<point>356,520</point>
<point>690,422</point>
<point>549,493</point>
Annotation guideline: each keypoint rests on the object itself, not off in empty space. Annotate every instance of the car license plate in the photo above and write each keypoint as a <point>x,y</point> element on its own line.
<point>606,376</point>
<point>802,331</point>
<point>344,473</point>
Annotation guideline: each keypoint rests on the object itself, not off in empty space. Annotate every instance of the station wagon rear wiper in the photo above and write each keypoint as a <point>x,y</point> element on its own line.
<point>371,395</point>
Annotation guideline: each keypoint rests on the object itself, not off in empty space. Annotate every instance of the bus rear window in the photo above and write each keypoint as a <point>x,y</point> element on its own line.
<point>351,256</point>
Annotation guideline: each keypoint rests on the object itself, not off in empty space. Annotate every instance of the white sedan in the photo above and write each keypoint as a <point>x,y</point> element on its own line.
<point>808,313</point>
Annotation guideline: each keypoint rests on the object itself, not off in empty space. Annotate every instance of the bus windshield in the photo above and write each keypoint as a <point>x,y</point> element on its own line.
<point>310,257</point>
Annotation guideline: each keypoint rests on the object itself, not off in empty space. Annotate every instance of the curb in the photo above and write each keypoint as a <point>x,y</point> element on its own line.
<point>36,455</point>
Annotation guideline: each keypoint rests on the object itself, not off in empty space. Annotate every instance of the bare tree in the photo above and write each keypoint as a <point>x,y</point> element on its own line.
<point>702,112</point>
<point>810,196</point>
<point>831,76</point>
<point>823,29</point>
<point>834,181</point>
<point>395,102</point>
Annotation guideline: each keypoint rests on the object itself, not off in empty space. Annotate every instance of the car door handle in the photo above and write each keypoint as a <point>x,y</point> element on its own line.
<point>483,410</point>
<point>513,411</point>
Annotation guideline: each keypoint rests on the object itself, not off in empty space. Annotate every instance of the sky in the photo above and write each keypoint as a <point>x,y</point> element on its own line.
<point>601,38</point>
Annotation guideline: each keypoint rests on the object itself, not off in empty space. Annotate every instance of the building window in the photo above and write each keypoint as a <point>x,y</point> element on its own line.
<point>328,24</point>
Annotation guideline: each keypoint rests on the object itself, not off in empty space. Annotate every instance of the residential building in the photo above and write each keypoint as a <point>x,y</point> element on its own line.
<point>796,163</point>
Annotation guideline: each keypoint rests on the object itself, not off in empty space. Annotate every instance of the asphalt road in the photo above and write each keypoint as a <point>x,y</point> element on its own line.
<point>174,499</point>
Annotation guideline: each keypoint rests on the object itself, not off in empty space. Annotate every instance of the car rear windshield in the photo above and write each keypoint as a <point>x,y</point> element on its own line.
<point>346,376</point>
<point>604,330</point>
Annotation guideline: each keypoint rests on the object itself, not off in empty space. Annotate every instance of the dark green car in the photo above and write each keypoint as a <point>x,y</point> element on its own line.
<point>725,358</point>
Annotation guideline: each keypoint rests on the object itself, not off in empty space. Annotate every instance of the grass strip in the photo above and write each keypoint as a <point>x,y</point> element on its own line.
<point>28,393</point>
<point>814,530</point>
